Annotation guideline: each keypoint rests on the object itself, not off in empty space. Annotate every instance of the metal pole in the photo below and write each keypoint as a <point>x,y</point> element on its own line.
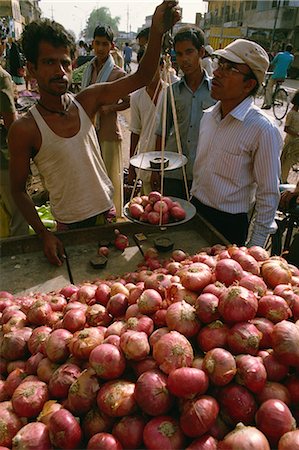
<point>274,27</point>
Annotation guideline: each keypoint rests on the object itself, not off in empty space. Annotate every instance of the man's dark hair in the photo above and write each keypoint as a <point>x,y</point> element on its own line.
<point>104,31</point>
<point>143,33</point>
<point>48,31</point>
<point>289,48</point>
<point>190,33</point>
<point>295,99</point>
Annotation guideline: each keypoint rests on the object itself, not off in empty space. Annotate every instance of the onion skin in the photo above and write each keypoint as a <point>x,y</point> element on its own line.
<point>33,436</point>
<point>274,419</point>
<point>285,341</point>
<point>173,350</point>
<point>64,430</point>
<point>289,440</point>
<point>163,432</point>
<point>116,398</point>
<point>237,305</point>
<point>186,382</point>
<point>10,423</point>
<point>198,415</point>
<point>244,438</point>
<point>220,365</point>
<point>151,393</point>
<point>205,442</point>
<point>237,404</point>
<point>129,431</point>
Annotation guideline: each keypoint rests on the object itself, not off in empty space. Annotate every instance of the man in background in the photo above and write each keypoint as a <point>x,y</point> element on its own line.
<point>17,225</point>
<point>280,64</point>
<point>128,52</point>
<point>102,69</point>
<point>191,95</point>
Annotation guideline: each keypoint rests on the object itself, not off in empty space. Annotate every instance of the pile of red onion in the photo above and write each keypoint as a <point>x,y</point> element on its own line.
<point>196,352</point>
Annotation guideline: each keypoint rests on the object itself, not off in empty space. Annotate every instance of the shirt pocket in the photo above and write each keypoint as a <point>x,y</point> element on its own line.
<point>228,167</point>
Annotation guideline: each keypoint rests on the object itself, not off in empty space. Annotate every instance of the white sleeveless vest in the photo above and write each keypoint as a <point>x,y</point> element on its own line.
<point>73,171</point>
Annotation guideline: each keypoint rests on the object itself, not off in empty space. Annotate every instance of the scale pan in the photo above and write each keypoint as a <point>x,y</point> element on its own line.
<point>144,160</point>
<point>188,207</point>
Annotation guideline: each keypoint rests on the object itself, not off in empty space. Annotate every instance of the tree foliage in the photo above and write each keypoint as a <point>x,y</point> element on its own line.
<point>100,16</point>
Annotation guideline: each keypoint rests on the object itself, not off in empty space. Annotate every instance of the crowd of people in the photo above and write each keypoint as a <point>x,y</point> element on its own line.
<point>233,149</point>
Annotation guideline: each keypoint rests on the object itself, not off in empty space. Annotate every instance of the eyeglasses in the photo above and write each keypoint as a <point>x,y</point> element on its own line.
<point>227,68</point>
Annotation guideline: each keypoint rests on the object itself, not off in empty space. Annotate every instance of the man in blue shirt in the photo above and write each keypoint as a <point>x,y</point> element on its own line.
<point>191,96</point>
<point>127,57</point>
<point>280,63</point>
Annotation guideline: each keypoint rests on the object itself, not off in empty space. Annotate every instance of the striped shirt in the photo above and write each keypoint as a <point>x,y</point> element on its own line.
<point>237,165</point>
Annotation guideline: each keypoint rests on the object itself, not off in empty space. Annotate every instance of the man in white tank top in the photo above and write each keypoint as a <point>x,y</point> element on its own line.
<point>58,132</point>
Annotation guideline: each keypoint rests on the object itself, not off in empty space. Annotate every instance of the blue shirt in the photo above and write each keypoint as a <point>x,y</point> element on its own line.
<point>128,53</point>
<point>189,109</point>
<point>281,62</point>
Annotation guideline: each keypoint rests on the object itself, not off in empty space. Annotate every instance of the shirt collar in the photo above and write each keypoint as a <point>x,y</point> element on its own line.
<point>239,112</point>
<point>206,79</point>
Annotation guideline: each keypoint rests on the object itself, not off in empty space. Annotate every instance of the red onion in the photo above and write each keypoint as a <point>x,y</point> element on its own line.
<point>205,442</point>
<point>227,271</point>
<point>33,436</point>
<point>206,307</point>
<point>181,317</point>
<point>116,398</point>
<point>276,371</point>
<point>64,430</point>
<point>220,365</point>
<point>62,379</point>
<point>274,419</point>
<point>238,304</point>
<point>104,441</point>
<point>244,438</point>
<point>83,392</point>
<point>196,277</point>
<point>163,432</point>
<point>198,415</point>
<point>254,283</point>
<point>151,393</point>
<point>129,431</point>
<point>186,382</point>
<point>274,390</point>
<point>259,253</point>
<point>289,440</point>
<point>237,404</point>
<point>265,326</point>
<point>10,423</point>
<point>29,398</point>
<point>275,271</point>
<point>36,342</point>
<point>172,351</point>
<point>74,320</point>
<point>108,361</point>
<point>251,372</point>
<point>285,342</point>
<point>273,308</point>
<point>149,301</point>
<point>83,342</point>
<point>212,335</point>
<point>244,337</point>
<point>57,345</point>
<point>135,345</point>
<point>95,422</point>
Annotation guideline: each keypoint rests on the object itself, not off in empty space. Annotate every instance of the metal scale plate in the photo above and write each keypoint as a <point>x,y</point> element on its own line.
<point>188,207</point>
<point>143,160</point>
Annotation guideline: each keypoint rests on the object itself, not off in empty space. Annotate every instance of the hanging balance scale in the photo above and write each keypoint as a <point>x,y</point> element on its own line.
<point>162,161</point>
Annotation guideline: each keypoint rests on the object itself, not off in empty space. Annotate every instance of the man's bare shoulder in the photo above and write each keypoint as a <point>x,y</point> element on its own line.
<point>25,125</point>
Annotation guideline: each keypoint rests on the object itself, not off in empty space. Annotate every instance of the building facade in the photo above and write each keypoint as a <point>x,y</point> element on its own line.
<point>15,14</point>
<point>273,24</point>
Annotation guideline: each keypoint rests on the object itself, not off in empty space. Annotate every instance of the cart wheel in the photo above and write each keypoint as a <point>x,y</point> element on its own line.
<point>280,103</point>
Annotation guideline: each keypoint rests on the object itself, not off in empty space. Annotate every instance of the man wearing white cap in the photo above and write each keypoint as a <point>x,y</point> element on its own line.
<point>237,165</point>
